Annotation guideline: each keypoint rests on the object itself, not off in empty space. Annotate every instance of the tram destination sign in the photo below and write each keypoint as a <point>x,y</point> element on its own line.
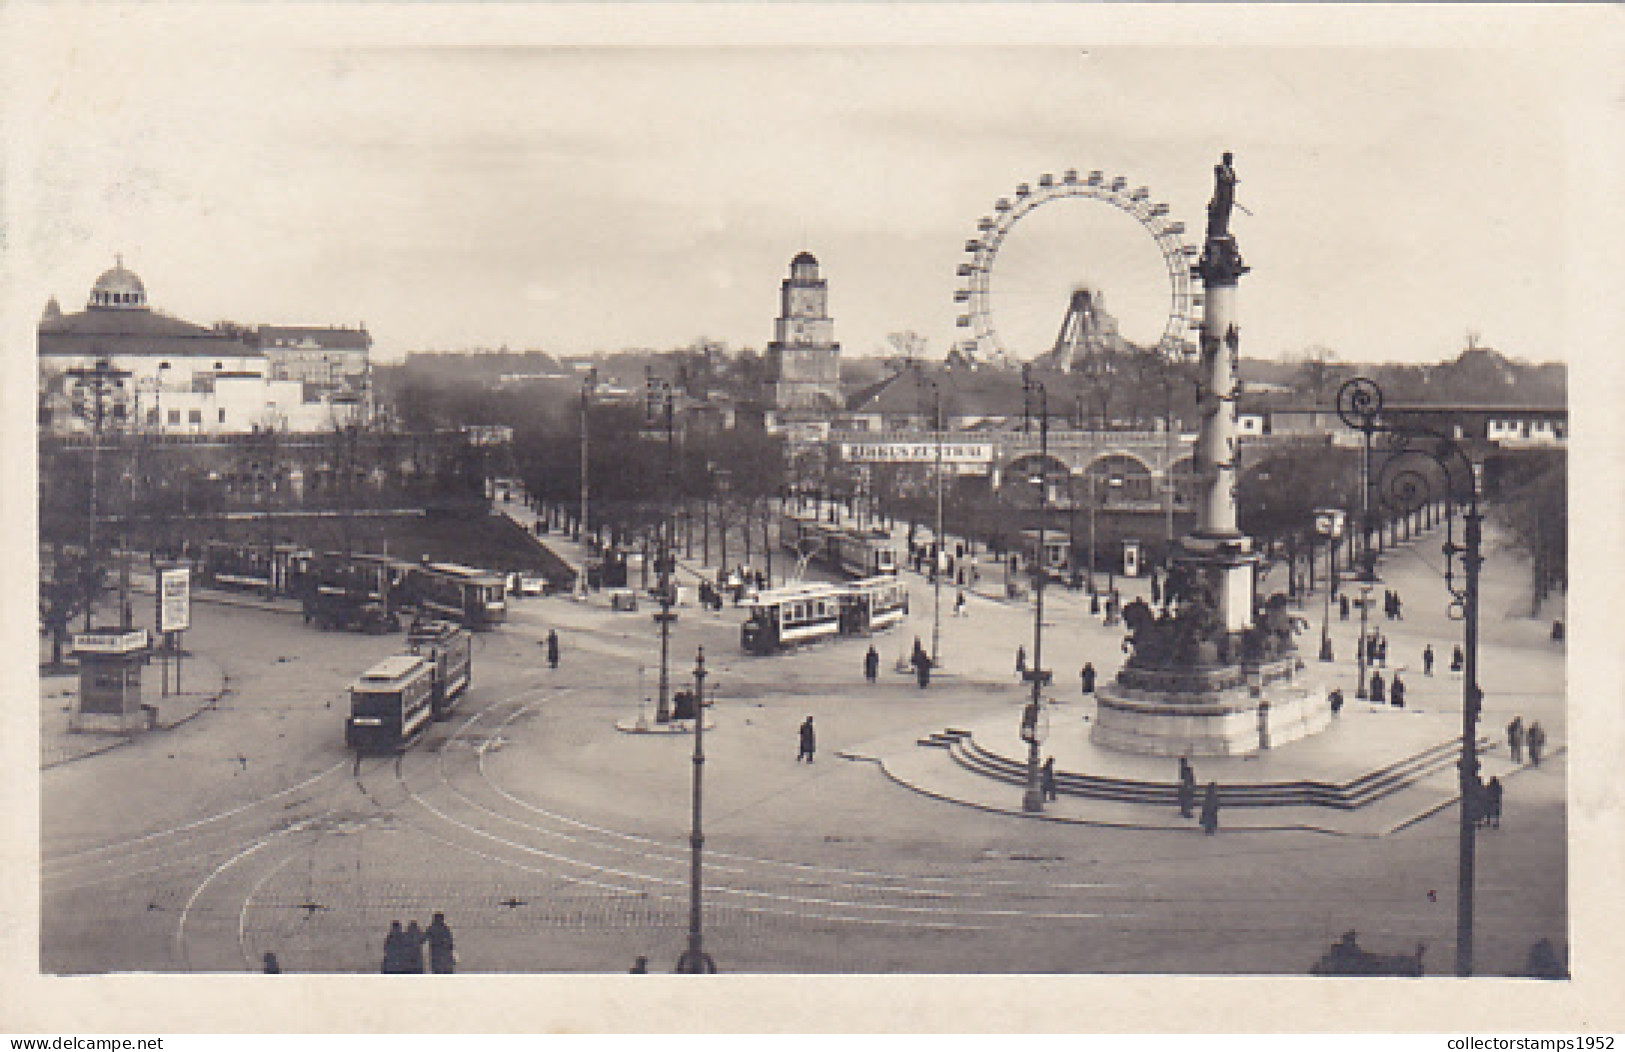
<point>174,599</point>
<point>916,452</point>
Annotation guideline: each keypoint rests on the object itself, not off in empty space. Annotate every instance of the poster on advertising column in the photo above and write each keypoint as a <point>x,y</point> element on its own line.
<point>174,599</point>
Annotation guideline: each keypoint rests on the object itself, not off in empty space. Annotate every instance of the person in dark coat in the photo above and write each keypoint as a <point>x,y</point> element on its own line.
<point>394,950</point>
<point>639,967</point>
<point>1457,659</point>
<point>1087,675</point>
<point>442,953</point>
<point>871,664</point>
<point>959,604</point>
<point>1399,608</point>
<point>1335,699</point>
<point>1535,738</point>
<point>272,967</point>
<point>1156,590</point>
<point>809,742</point>
<point>1515,739</point>
<point>1492,803</point>
<point>412,949</point>
<point>1046,776</point>
<point>1187,788</point>
<point>1342,608</point>
<point>1021,661</point>
<point>552,649</point>
<point>1427,660</point>
<point>1396,692</point>
<point>922,670</point>
<point>1378,694</point>
<point>1210,809</point>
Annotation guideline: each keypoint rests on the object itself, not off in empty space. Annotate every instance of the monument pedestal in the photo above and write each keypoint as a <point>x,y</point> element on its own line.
<point>1231,710</point>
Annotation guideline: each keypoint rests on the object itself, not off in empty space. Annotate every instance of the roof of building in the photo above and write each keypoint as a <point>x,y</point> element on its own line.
<point>804,259</point>
<point>119,289</point>
<point>133,332</point>
<point>318,337</point>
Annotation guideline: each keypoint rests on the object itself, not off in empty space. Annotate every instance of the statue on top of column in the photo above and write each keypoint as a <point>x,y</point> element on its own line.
<point>1224,197</point>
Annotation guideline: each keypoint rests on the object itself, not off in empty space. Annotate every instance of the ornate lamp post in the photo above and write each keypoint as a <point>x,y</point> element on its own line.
<point>658,407</point>
<point>1329,524</point>
<point>588,383</point>
<point>937,542</point>
<point>102,378</point>
<point>1033,798</point>
<point>1359,403</point>
<point>695,960</point>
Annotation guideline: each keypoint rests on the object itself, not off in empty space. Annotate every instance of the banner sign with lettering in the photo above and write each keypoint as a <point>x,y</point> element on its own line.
<point>916,452</point>
<point>175,599</point>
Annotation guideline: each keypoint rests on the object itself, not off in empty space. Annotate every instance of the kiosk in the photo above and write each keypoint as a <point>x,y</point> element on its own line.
<point>110,661</point>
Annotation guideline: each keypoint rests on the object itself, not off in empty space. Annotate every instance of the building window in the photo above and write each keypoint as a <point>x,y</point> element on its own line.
<point>222,416</point>
<point>174,416</point>
<point>194,416</point>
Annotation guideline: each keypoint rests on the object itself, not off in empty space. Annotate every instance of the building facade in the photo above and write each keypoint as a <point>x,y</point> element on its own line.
<point>804,361</point>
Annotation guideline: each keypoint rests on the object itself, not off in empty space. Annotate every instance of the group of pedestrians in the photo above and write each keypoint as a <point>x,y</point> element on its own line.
<point>404,948</point>
<point>1381,693</point>
<point>1534,738</point>
<point>1392,607</point>
<point>1373,649</point>
<point>1208,819</point>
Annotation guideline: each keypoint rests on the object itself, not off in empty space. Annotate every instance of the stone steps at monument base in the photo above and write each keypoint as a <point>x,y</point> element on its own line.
<point>1366,789</point>
<point>943,739</point>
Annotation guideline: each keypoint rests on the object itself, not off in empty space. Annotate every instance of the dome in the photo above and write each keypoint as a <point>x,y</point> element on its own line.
<point>805,259</point>
<point>119,289</point>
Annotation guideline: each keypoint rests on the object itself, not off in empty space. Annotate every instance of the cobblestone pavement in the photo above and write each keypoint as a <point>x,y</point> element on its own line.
<point>554,842</point>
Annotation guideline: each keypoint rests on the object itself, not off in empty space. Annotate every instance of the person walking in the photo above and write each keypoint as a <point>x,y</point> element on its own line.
<point>922,668</point>
<point>809,742</point>
<point>552,649</point>
<point>1535,738</point>
<point>1382,651</point>
<point>1156,590</point>
<point>1021,662</point>
<point>1087,675</point>
<point>1210,809</point>
<point>1187,788</point>
<point>1396,692</point>
<point>1457,658</point>
<point>412,949</point>
<point>394,950</point>
<point>1046,776</point>
<point>1427,660</point>
<point>959,604</point>
<point>442,947</point>
<point>1515,739</point>
<point>270,964</point>
<point>1342,608</point>
<point>1492,802</point>
<point>1335,700</point>
<point>1378,694</point>
<point>871,664</point>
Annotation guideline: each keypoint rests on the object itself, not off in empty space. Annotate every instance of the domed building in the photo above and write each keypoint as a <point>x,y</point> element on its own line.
<point>176,377</point>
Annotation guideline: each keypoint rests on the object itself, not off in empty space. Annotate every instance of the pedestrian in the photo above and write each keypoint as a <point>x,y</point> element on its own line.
<point>871,664</point>
<point>1396,692</point>
<point>1399,607</point>
<point>922,669</point>
<point>272,967</point>
<point>1156,590</point>
<point>1047,777</point>
<point>1492,802</point>
<point>1094,603</point>
<point>918,655</point>
<point>1535,738</point>
<point>959,604</point>
<point>1382,651</point>
<point>1210,809</point>
<point>1087,674</point>
<point>1515,739</point>
<point>809,742</point>
<point>1457,658</point>
<point>1378,694</point>
<point>1335,699</point>
<point>552,649</point>
<point>639,967</point>
<point>442,948</point>
<point>1342,608</point>
<point>394,950</point>
<point>1187,788</point>
<point>412,948</point>
<point>1021,662</point>
<point>1388,604</point>
<point>1427,660</point>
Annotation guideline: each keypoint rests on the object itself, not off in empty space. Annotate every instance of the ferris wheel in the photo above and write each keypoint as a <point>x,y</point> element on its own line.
<point>975,294</point>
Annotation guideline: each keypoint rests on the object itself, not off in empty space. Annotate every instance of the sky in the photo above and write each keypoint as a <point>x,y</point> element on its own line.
<point>452,192</point>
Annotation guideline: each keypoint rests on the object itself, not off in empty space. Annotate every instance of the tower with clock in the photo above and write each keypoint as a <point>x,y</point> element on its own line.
<point>804,359</point>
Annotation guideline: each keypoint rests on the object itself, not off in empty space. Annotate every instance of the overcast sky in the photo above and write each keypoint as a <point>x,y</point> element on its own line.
<point>576,198</point>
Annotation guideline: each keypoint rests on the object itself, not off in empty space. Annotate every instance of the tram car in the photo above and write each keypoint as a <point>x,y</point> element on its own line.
<point>475,598</point>
<point>786,617</point>
<point>390,704</point>
<point>355,591</point>
<point>865,553</point>
<point>449,649</point>
<point>873,605</point>
<point>233,566</point>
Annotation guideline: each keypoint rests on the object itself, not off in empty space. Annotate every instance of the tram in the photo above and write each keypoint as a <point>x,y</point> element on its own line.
<point>786,617</point>
<point>359,590</point>
<point>449,649</point>
<point>390,704</point>
<point>873,604</point>
<point>476,598</point>
<point>855,552</point>
<point>250,568</point>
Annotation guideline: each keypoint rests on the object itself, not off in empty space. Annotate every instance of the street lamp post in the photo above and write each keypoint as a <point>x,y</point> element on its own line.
<point>100,378</point>
<point>695,961</point>
<point>588,382</point>
<point>1033,799</point>
<point>937,541</point>
<point>658,404</point>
